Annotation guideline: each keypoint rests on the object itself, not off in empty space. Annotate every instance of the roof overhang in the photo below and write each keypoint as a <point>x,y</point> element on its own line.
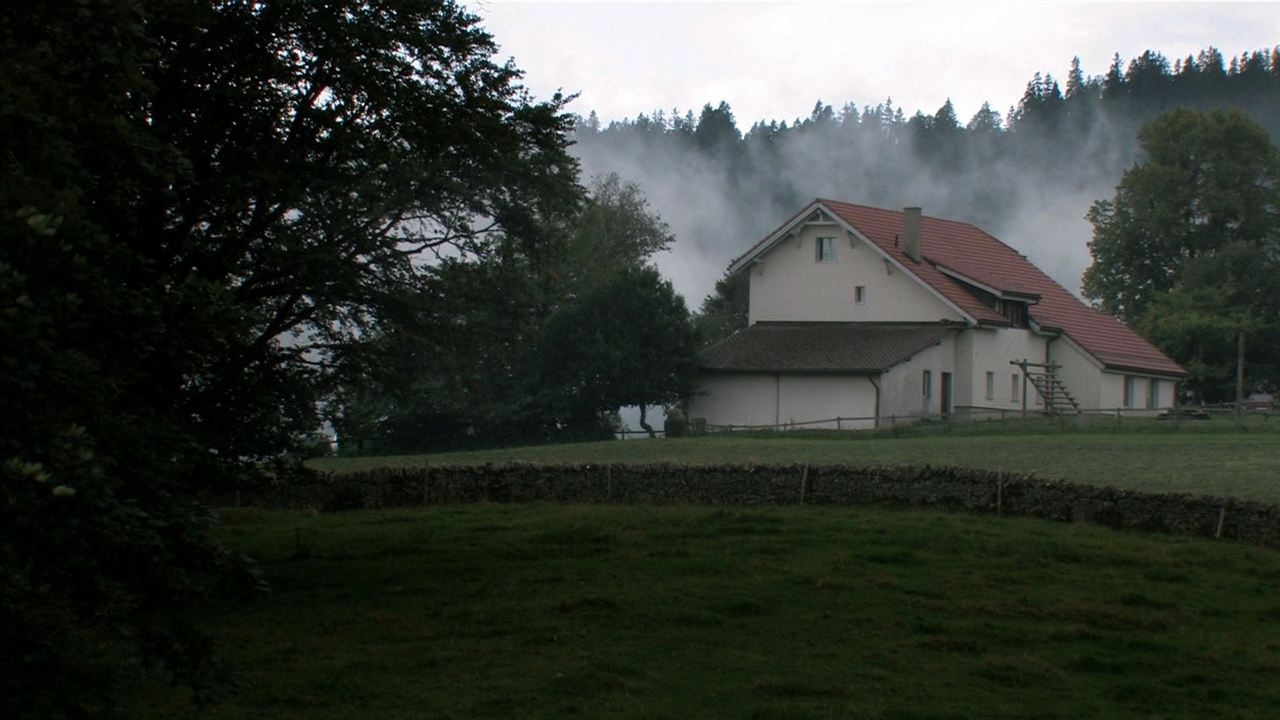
<point>1146,372</point>
<point>1026,297</point>
<point>788,229</point>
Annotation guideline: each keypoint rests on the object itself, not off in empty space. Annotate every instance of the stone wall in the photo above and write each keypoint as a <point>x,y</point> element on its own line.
<point>945,488</point>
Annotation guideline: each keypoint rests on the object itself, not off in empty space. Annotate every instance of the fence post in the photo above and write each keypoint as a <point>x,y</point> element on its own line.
<point>804,481</point>
<point>838,425</point>
<point>426,482</point>
<point>1222,518</point>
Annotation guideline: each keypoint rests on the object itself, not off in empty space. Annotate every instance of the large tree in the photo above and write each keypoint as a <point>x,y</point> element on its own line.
<point>628,341</point>
<point>1189,248</point>
<point>616,228</point>
<point>203,203</point>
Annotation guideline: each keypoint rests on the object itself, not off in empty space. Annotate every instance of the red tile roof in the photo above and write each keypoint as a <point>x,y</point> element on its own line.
<point>971,252</point>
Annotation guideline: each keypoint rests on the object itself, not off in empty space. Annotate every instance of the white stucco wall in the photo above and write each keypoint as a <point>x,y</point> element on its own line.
<point>821,397</point>
<point>1099,390</point>
<point>902,387</point>
<point>1080,374</point>
<point>789,284</point>
<point>1113,393</point>
<point>737,398</point>
<point>983,350</point>
<point>766,399</point>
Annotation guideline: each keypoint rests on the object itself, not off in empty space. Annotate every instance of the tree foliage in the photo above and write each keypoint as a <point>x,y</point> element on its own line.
<point>464,365</point>
<point>616,228</point>
<point>725,310</point>
<point>204,204</point>
<point>1189,248</point>
<point>627,341</point>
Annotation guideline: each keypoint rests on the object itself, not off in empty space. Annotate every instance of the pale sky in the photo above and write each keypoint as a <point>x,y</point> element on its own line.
<point>775,60</point>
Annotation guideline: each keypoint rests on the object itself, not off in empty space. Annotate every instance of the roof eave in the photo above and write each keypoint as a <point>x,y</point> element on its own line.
<point>796,371</point>
<point>1028,298</point>
<point>1117,367</point>
<point>743,261</point>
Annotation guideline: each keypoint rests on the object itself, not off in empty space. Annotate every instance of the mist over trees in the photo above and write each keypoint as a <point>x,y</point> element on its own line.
<point>1027,174</point>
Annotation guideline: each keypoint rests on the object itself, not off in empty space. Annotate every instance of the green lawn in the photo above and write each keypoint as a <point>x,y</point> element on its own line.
<point>1222,461</point>
<point>543,611</point>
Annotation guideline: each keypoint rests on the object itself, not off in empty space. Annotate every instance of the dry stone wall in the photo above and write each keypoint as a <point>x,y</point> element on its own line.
<point>947,488</point>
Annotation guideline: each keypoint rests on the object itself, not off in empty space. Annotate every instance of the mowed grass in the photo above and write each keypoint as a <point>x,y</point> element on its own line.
<point>543,611</point>
<point>1222,462</point>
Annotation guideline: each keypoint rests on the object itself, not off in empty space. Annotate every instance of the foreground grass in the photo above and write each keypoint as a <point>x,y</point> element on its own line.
<point>1227,462</point>
<point>547,611</point>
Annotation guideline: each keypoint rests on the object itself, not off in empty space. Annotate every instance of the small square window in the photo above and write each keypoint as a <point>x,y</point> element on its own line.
<point>860,295</point>
<point>826,249</point>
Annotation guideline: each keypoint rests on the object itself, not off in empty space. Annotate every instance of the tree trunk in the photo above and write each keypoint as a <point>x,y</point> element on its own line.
<point>644,424</point>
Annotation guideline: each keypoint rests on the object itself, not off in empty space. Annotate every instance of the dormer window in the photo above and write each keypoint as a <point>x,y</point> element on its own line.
<point>826,249</point>
<point>1014,311</point>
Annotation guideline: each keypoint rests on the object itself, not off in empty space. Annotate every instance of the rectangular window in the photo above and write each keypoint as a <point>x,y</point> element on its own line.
<point>826,249</point>
<point>1130,390</point>
<point>1014,389</point>
<point>927,384</point>
<point>1153,394</point>
<point>860,295</point>
<point>991,385</point>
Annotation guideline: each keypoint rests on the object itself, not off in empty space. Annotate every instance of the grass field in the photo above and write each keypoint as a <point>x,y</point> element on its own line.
<point>501,611</point>
<point>1216,460</point>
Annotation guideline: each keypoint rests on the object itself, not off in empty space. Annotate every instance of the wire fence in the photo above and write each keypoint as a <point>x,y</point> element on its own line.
<point>1232,414</point>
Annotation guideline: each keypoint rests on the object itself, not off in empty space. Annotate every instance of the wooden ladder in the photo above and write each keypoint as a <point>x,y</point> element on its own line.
<point>1044,378</point>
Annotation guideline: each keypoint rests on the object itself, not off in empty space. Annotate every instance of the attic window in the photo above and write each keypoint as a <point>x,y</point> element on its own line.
<point>1013,311</point>
<point>826,249</point>
<point>860,295</point>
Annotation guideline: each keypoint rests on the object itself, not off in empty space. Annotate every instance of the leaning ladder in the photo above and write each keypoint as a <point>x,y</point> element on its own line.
<point>1044,378</point>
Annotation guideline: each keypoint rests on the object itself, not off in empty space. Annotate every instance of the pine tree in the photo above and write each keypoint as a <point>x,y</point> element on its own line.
<point>1075,79</point>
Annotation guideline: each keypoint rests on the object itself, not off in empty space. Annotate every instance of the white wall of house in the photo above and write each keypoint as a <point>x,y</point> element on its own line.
<point>1104,390</point>
<point>990,350</point>
<point>790,284</point>
<point>738,398</point>
<point>902,387</point>
<point>1139,400</point>
<point>1082,376</point>
<point>766,399</point>
<point>805,398</point>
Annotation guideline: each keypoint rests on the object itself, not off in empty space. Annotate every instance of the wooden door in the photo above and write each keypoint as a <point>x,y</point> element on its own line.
<point>946,394</point>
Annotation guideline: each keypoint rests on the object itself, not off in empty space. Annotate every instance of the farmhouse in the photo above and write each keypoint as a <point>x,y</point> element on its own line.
<point>866,314</point>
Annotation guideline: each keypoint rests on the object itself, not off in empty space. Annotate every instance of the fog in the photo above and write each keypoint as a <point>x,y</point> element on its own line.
<point>718,204</point>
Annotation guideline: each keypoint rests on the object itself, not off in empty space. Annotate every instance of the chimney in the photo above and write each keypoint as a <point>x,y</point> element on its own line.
<point>911,232</point>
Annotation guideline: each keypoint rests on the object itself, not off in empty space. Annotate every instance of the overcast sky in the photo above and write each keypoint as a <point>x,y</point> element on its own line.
<point>774,60</point>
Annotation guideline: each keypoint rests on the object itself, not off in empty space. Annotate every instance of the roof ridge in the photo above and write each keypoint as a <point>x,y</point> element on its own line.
<point>934,218</point>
